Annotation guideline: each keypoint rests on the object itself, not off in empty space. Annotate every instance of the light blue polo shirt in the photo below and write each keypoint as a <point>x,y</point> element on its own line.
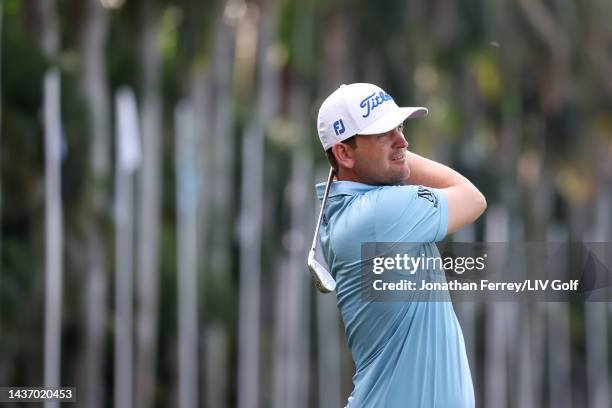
<point>406,354</point>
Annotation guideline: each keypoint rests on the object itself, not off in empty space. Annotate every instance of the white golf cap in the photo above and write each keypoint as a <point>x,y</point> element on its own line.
<point>360,109</point>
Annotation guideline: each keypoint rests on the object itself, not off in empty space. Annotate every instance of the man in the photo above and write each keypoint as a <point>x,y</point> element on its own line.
<point>406,354</point>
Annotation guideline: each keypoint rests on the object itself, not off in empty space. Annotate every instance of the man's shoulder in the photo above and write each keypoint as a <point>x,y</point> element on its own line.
<point>397,195</point>
<point>385,199</point>
<point>383,202</point>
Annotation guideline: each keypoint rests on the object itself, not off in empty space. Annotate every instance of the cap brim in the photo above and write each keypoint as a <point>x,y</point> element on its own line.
<point>393,119</point>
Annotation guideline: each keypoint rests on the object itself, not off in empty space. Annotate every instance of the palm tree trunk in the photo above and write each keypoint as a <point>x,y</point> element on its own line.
<point>467,311</point>
<point>216,366</point>
<point>559,347</point>
<point>128,153</point>
<point>149,211</point>
<point>199,94</point>
<point>328,344</point>
<point>299,284</point>
<point>95,90</point>
<point>49,39</point>
<point>291,376</point>
<point>598,377</point>
<point>279,384</point>
<point>251,215</point>
<point>214,337</point>
<point>223,148</point>
<point>496,373</point>
<point>250,268</point>
<point>187,249</point>
<point>54,232</point>
<point>596,313</point>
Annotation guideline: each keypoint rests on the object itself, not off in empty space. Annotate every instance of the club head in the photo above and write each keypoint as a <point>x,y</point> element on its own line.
<point>321,276</point>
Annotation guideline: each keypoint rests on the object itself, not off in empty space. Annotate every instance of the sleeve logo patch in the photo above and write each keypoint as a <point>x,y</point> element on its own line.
<point>428,195</point>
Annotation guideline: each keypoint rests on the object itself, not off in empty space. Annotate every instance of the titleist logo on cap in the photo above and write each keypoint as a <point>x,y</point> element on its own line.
<point>373,101</point>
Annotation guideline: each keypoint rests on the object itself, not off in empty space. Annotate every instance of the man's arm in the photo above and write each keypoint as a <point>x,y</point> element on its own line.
<point>465,202</point>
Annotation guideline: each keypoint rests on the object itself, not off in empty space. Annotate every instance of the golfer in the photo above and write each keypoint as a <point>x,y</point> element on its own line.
<point>406,354</point>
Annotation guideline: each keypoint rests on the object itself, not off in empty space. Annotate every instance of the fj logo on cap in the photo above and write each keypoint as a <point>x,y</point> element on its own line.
<point>372,101</point>
<point>339,127</point>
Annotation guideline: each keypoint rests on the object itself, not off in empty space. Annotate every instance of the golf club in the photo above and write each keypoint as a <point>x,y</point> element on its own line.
<point>323,279</point>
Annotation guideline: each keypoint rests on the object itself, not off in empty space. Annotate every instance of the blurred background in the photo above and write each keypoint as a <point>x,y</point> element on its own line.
<point>158,162</point>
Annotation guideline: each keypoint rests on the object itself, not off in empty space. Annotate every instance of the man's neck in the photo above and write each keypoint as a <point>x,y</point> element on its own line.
<point>347,175</point>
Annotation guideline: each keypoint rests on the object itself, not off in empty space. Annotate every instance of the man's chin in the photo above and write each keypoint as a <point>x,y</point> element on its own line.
<point>404,176</point>
<point>401,178</point>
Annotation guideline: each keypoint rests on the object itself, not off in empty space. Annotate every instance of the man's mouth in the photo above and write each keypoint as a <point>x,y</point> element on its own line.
<point>398,156</point>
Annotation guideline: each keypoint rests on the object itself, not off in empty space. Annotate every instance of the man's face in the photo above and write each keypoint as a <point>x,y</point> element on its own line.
<point>382,159</point>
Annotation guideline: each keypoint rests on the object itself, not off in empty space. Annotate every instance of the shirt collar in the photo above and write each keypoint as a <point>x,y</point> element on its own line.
<point>339,188</point>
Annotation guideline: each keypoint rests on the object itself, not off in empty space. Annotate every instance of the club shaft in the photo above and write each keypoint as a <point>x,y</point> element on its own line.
<point>327,187</point>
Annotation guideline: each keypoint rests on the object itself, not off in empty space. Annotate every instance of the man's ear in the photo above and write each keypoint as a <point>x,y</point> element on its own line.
<point>345,156</point>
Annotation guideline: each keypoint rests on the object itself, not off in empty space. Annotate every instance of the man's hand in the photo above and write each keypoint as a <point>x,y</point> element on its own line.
<point>465,202</point>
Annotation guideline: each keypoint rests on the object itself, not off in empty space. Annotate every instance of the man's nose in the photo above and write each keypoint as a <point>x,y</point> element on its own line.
<point>399,141</point>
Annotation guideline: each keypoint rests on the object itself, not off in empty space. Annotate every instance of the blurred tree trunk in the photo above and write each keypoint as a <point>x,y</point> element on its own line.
<point>558,332</point>
<point>559,348</point>
<point>95,86</point>
<point>221,193</point>
<point>217,199</point>
<point>556,86</point>
<point>187,182</point>
<point>292,372</point>
<point>598,377</point>
<point>223,150</point>
<point>281,333</point>
<point>49,35</point>
<point>54,234</point>
<point>496,371</point>
<point>510,55</point>
<point>298,290</point>
<point>251,205</point>
<point>214,338</point>
<point>128,159</point>
<point>599,35</point>
<point>149,208</point>
<point>199,94</point>
<point>95,90</point>
<point>216,366</point>
<point>596,313</point>
<point>250,266</point>
<point>54,230</point>
<point>467,312</point>
<point>531,370</point>
<point>328,345</point>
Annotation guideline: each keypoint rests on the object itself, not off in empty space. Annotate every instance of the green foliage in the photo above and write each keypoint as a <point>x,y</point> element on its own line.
<point>17,279</point>
<point>23,67</point>
<point>296,31</point>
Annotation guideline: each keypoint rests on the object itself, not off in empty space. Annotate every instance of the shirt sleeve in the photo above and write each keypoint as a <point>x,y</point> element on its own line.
<point>411,214</point>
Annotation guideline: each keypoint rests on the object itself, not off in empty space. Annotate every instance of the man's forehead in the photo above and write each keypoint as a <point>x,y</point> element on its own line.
<point>362,140</point>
